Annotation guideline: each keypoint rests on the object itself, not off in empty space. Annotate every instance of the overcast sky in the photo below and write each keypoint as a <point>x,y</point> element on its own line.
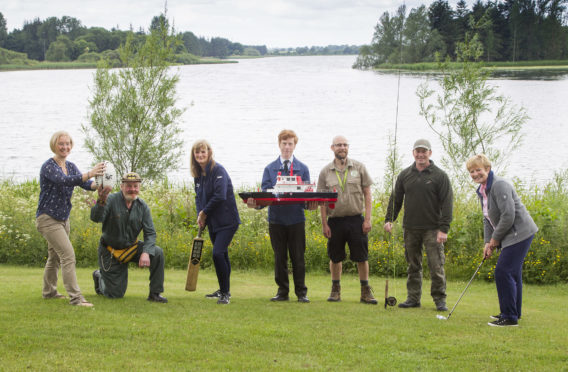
<point>274,23</point>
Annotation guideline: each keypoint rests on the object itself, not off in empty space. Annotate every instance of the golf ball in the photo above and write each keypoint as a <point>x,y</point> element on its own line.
<point>441,317</point>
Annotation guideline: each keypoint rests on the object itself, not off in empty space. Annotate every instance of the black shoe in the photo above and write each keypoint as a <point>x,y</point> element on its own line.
<point>303,299</point>
<point>498,316</point>
<point>441,307</point>
<point>406,304</point>
<point>215,294</point>
<point>280,297</point>
<point>504,322</point>
<point>96,278</point>
<point>224,299</point>
<point>155,297</point>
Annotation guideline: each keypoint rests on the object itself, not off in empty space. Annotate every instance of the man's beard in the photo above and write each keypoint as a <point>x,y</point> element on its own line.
<point>130,197</point>
<point>341,157</point>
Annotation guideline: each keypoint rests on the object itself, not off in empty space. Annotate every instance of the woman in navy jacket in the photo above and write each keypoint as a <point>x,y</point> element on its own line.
<point>508,226</point>
<point>216,209</point>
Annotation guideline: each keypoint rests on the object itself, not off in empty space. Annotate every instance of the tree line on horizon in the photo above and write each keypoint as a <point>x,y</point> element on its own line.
<point>509,30</point>
<point>67,39</point>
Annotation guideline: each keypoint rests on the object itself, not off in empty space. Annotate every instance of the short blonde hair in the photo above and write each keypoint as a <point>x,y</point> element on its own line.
<point>479,160</point>
<point>287,134</point>
<point>196,170</point>
<point>55,138</point>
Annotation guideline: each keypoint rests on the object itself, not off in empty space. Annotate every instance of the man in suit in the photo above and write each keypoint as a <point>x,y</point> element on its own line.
<point>286,223</point>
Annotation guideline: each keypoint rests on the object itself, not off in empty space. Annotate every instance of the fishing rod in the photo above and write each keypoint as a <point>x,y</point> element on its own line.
<point>391,300</point>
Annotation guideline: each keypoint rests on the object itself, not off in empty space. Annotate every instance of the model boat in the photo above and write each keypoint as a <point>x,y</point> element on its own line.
<point>290,190</point>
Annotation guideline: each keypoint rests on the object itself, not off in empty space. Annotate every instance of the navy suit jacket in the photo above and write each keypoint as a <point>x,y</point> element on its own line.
<point>284,214</point>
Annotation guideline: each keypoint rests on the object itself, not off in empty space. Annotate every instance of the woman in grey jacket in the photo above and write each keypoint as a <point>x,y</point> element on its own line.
<point>507,225</point>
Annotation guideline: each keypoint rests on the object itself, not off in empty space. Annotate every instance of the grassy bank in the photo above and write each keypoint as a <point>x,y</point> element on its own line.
<point>87,65</point>
<point>174,216</point>
<point>194,333</point>
<point>498,67</point>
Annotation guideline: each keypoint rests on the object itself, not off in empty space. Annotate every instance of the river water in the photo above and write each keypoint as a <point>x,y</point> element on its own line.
<point>240,109</point>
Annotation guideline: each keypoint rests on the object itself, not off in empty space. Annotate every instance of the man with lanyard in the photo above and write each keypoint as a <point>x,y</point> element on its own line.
<point>427,195</point>
<point>124,215</point>
<point>286,223</point>
<point>346,223</point>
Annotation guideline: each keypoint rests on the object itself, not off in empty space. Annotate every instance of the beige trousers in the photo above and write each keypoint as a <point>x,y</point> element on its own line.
<point>60,253</point>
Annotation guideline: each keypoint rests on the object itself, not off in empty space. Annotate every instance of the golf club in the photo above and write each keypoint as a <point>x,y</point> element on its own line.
<point>466,287</point>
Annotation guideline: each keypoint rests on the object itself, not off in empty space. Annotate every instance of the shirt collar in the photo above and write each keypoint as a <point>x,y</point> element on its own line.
<point>427,169</point>
<point>349,164</point>
<point>282,160</point>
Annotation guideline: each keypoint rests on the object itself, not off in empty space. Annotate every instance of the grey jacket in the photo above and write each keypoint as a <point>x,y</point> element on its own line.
<point>512,221</point>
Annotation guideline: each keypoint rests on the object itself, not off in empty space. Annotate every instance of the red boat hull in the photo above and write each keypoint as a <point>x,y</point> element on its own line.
<point>286,198</point>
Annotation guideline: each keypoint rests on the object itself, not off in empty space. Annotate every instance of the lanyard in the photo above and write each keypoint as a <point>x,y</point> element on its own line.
<point>342,181</point>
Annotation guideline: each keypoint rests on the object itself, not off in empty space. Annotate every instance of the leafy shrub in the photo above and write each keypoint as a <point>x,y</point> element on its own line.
<point>186,59</point>
<point>173,211</point>
<point>89,57</point>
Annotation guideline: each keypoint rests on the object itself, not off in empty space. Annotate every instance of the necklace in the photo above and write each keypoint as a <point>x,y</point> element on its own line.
<point>60,163</point>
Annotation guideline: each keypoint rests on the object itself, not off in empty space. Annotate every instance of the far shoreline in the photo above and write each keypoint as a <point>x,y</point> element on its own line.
<point>497,68</point>
<point>429,67</point>
<point>91,65</point>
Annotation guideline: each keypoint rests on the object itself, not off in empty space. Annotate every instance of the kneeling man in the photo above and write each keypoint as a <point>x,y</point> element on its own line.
<point>124,216</point>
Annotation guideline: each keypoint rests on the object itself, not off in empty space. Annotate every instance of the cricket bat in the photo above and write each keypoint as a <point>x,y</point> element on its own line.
<point>194,261</point>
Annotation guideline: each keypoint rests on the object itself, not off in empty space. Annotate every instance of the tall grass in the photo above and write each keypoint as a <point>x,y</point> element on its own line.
<point>174,217</point>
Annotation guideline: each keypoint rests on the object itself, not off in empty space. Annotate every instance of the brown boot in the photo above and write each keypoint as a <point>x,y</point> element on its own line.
<point>335,295</point>
<point>367,295</point>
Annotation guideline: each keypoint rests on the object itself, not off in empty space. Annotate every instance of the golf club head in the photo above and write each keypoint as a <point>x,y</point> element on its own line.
<point>441,317</point>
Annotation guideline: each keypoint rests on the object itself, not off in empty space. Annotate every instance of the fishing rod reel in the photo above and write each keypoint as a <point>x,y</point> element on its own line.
<point>390,301</point>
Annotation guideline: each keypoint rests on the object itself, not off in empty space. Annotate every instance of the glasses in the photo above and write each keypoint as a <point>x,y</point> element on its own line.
<point>341,145</point>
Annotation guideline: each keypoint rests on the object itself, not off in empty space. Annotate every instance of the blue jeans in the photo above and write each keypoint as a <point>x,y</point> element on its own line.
<point>509,278</point>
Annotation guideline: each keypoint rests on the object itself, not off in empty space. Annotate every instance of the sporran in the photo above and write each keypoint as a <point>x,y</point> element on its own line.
<point>124,255</point>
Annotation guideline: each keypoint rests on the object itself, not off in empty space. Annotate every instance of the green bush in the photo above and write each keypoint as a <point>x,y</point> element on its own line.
<point>186,59</point>
<point>92,57</point>
<point>173,210</point>
<point>9,57</point>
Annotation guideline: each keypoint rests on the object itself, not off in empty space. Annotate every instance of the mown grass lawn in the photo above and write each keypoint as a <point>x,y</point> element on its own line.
<point>194,333</point>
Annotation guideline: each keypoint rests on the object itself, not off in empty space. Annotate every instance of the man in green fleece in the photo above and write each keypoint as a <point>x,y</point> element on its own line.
<point>124,215</point>
<point>427,195</point>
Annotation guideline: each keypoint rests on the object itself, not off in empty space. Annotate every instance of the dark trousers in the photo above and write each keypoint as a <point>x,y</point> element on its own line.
<point>414,241</point>
<point>114,275</point>
<point>289,239</point>
<point>509,278</point>
<point>221,240</point>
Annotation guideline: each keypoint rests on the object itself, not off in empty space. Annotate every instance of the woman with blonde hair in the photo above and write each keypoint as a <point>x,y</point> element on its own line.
<point>217,209</point>
<point>509,227</point>
<point>58,178</point>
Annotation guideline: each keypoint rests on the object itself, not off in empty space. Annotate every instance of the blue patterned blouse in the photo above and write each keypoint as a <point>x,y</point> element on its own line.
<point>56,189</point>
